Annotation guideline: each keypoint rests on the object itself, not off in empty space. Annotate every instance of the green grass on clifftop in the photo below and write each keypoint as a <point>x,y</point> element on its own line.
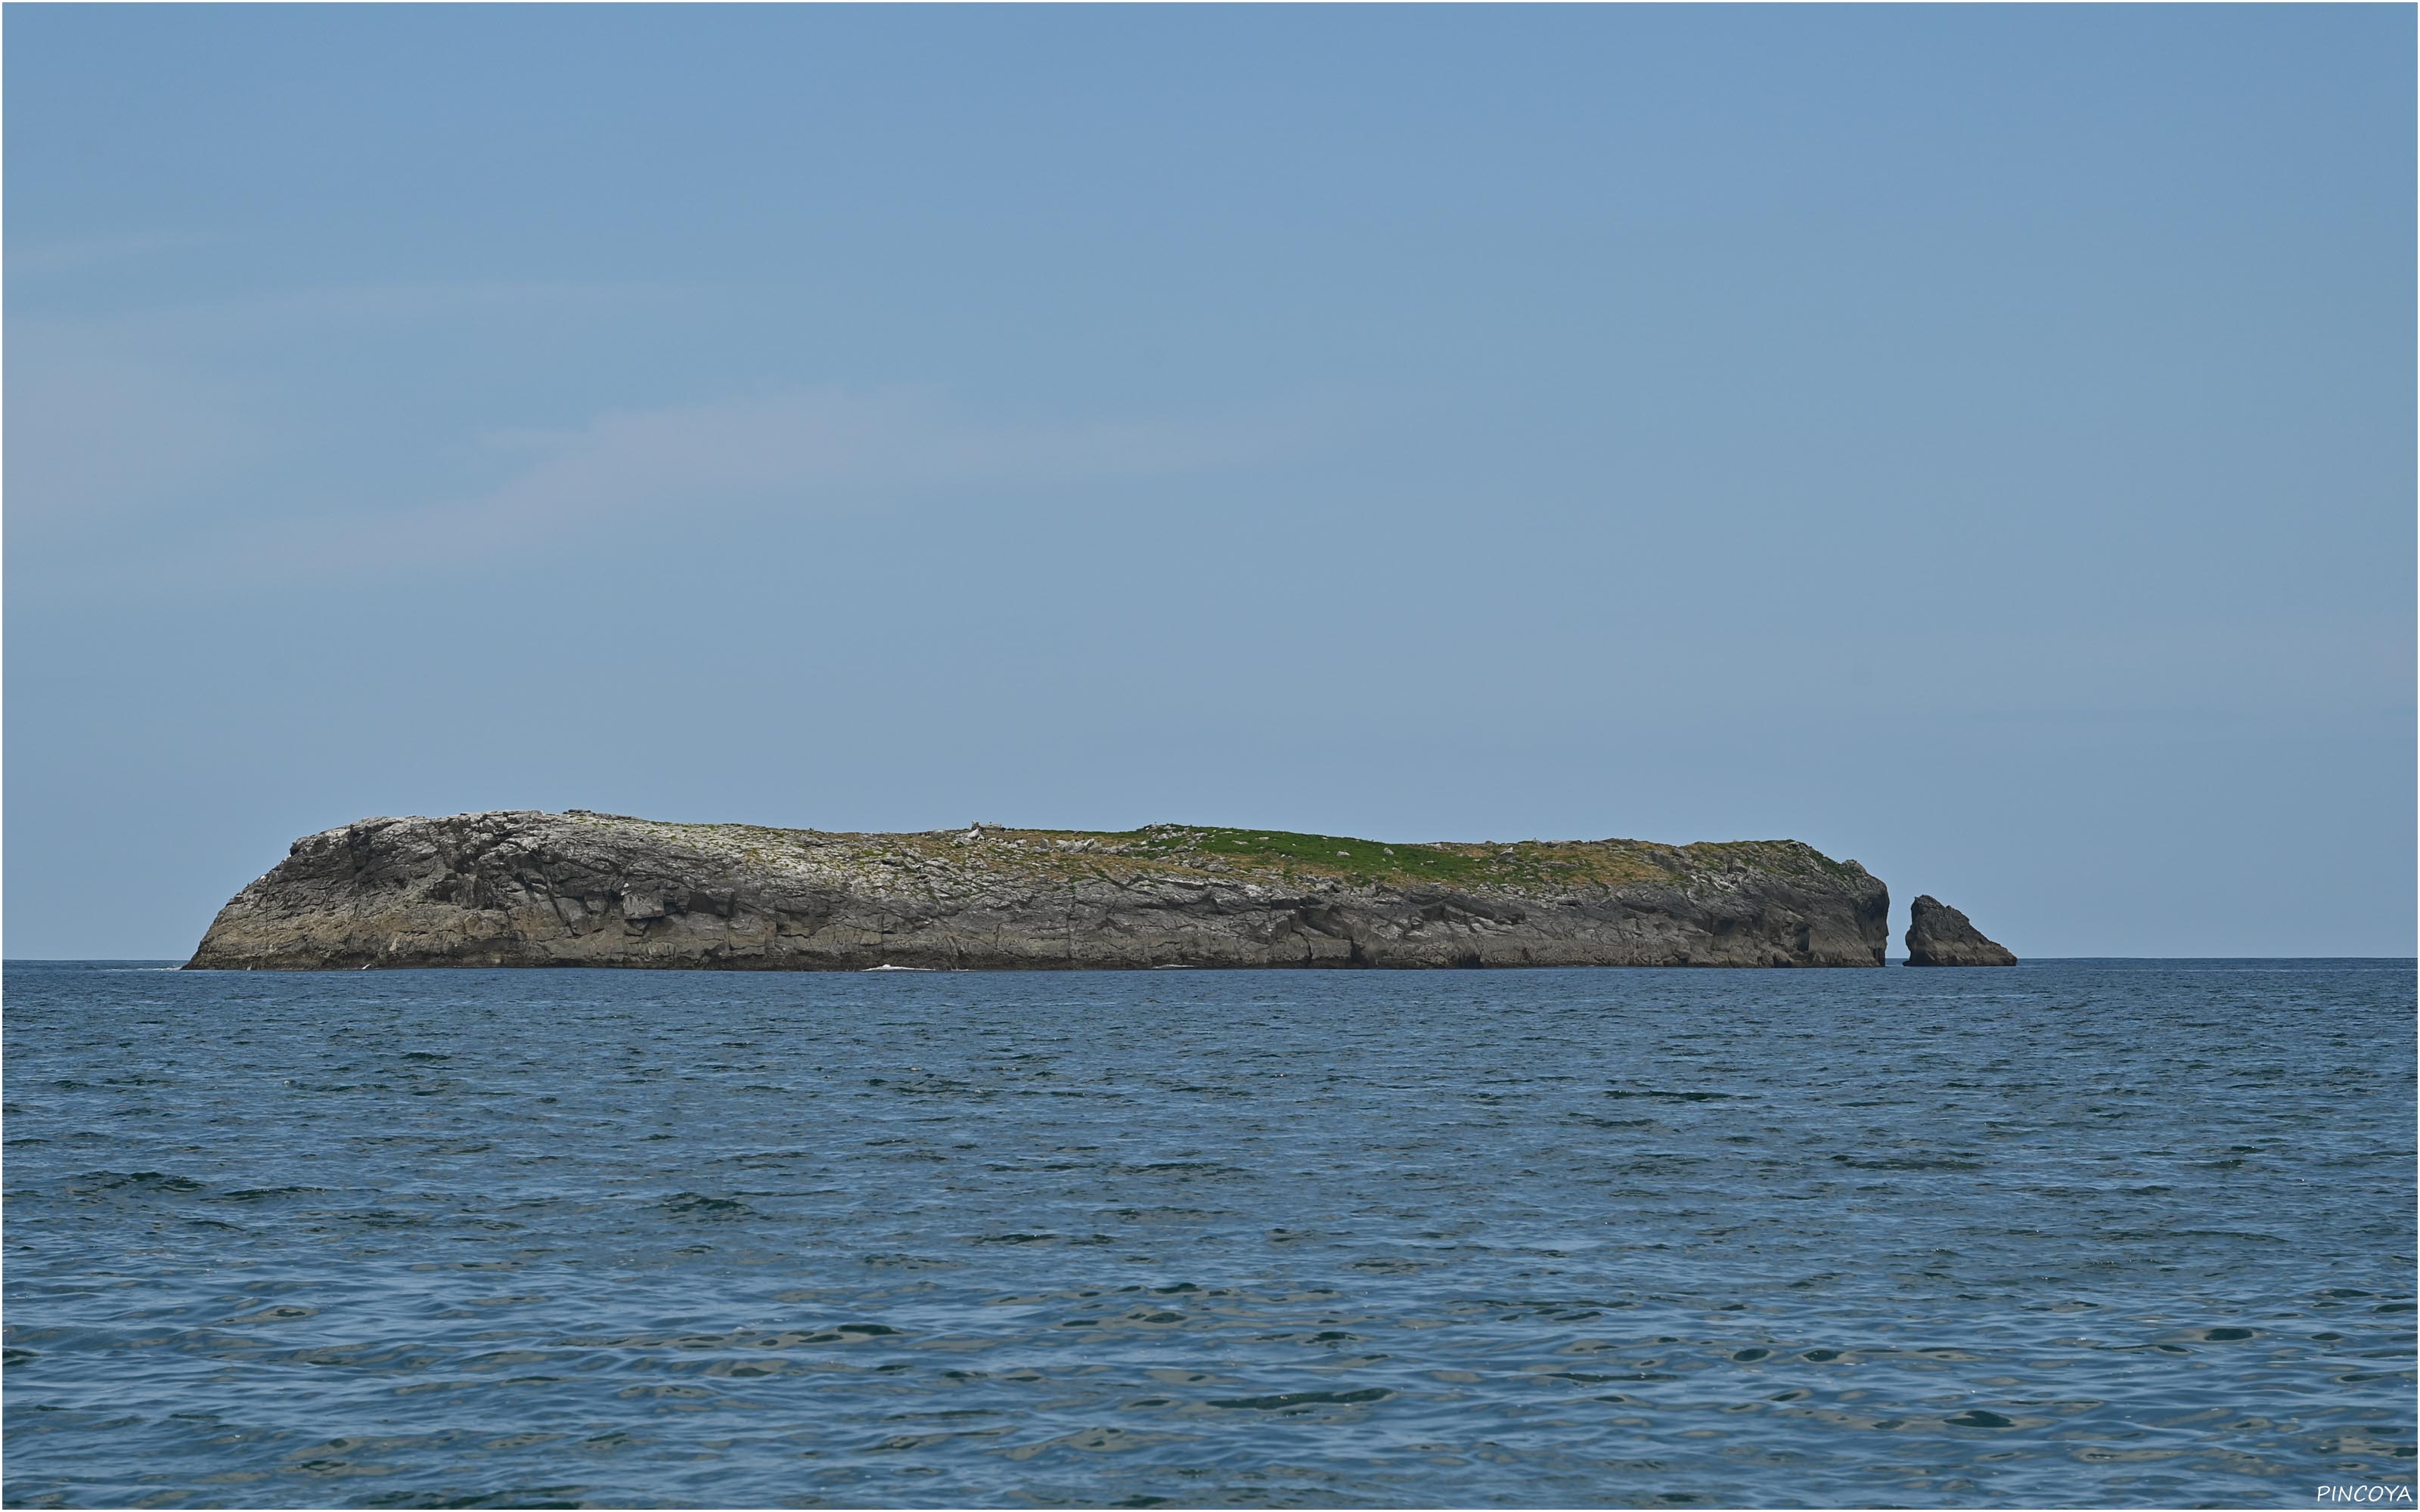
<point>1277,853</point>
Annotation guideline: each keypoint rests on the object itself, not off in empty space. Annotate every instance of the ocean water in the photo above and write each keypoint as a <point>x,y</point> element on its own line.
<point>2099,1233</point>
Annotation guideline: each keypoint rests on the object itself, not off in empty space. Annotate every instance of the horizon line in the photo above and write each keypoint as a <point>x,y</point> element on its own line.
<point>1889,960</point>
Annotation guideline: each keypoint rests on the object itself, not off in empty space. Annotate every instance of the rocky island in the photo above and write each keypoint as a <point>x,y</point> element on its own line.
<point>524,888</point>
<point>1940,935</point>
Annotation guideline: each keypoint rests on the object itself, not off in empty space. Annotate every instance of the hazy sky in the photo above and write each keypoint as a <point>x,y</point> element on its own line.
<point>1978,441</point>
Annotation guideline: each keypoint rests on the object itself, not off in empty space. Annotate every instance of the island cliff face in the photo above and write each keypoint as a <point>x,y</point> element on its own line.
<point>587,889</point>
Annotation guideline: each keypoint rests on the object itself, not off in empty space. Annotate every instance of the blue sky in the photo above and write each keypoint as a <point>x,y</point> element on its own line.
<point>1975,440</point>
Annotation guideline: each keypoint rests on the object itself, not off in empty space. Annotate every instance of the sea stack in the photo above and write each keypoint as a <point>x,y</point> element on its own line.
<point>590,889</point>
<point>1940,935</point>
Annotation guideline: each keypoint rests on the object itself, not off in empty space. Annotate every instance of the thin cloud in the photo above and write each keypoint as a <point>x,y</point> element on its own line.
<point>792,452</point>
<point>319,311</point>
<point>111,414</point>
<point>93,435</point>
<point>74,255</point>
<point>797,449</point>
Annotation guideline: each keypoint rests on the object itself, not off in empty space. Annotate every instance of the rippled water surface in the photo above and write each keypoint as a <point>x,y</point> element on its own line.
<point>2082,1233</point>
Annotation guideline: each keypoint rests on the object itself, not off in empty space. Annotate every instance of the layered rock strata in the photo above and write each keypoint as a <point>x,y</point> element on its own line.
<point>1940,935</point>
<point>589,889</point>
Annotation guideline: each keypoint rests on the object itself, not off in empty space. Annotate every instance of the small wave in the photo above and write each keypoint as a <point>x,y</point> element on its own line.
<point>1911,1163</point>
<point>266,1193</point>
<point>148,1181</point>
<point>1676,1096</point>
<point>698,1205</point>
<point>1297,1400</point>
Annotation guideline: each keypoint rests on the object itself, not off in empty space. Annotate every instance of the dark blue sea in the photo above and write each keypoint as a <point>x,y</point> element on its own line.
<point>2081,1233</point>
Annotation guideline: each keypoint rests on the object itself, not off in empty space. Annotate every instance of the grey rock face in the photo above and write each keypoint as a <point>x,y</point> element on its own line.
<point>1940,935</point>
<point>529,889</point>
